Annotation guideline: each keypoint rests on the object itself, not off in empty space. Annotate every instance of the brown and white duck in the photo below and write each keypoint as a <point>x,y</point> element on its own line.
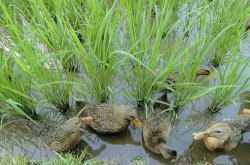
<point>224,135</point>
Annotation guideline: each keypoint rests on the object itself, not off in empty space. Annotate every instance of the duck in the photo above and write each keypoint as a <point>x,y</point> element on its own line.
<point>203,72</point>
<point>171,79</point>
<point>59,137</point>
<point>156,130</point>
<point>108,118</point>
<point>224,135</point>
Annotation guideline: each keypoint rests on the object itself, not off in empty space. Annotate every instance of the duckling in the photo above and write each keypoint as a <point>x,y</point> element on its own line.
<point>59,137</point>
<point>224,135</point>
<point>110,118</point>
<point>156,130</point>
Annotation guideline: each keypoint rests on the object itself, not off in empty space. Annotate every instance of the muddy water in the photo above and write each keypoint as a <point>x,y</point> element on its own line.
<point>128,145</point>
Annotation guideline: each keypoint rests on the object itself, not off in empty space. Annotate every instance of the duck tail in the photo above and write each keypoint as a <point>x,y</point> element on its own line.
<point>32,126</point>
<point>244,122</point>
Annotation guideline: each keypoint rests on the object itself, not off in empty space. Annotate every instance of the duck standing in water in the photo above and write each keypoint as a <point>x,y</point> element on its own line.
<point>224,135</point>
<point>59,137</point>
<point>156,130</point>
<point>109,118</point>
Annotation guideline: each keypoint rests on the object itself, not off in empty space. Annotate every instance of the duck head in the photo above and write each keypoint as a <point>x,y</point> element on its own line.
<point>130,115</point>
<point>203,72</point>
<point>218,132</point>
<point>167,152</point>
<point>74,123</point>
<point>206,72</point>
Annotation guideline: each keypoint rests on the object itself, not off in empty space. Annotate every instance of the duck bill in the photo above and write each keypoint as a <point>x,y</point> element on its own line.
<point>246,111</point>
<point>137,123</point>
<point>87,120</point>
<point>200,135</point>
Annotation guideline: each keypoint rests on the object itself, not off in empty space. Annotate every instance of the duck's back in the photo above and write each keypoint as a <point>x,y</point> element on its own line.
<point>57,140</point>
<point>41,127</point>
<point>53,135</point>
<point>156,130</point>
<point>105,118</point>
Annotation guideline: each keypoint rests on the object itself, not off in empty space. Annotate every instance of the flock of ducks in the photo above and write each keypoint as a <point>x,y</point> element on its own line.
<point>223,135</point>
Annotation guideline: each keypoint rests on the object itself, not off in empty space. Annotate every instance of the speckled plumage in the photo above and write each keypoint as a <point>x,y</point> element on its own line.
<point>109,118</point>
<point>156,130</point>
<point>57,136</point>
<point>241,122</point>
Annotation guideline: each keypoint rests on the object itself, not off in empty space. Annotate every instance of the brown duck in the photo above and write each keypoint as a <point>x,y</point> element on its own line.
<point>156,130</point>
<point>109,118</point>
<point>201,72</point>
<point>59,137</point>
<point>224,135</point>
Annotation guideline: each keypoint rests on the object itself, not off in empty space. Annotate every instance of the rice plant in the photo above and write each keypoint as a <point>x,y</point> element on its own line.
<point>54,84</point>
<point>151,61</point>
<point>97,56</point>
<point>144,54</point>
<point>138,161</point>
<point>222,14</point>
<point>142,43</point>
<point>231,81</point>
<point>15,89</point>
<point>187,88</point>
<point>63,159</point>
<point>46,72</point>
<point>50,19</point>
<point>14,160</point>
